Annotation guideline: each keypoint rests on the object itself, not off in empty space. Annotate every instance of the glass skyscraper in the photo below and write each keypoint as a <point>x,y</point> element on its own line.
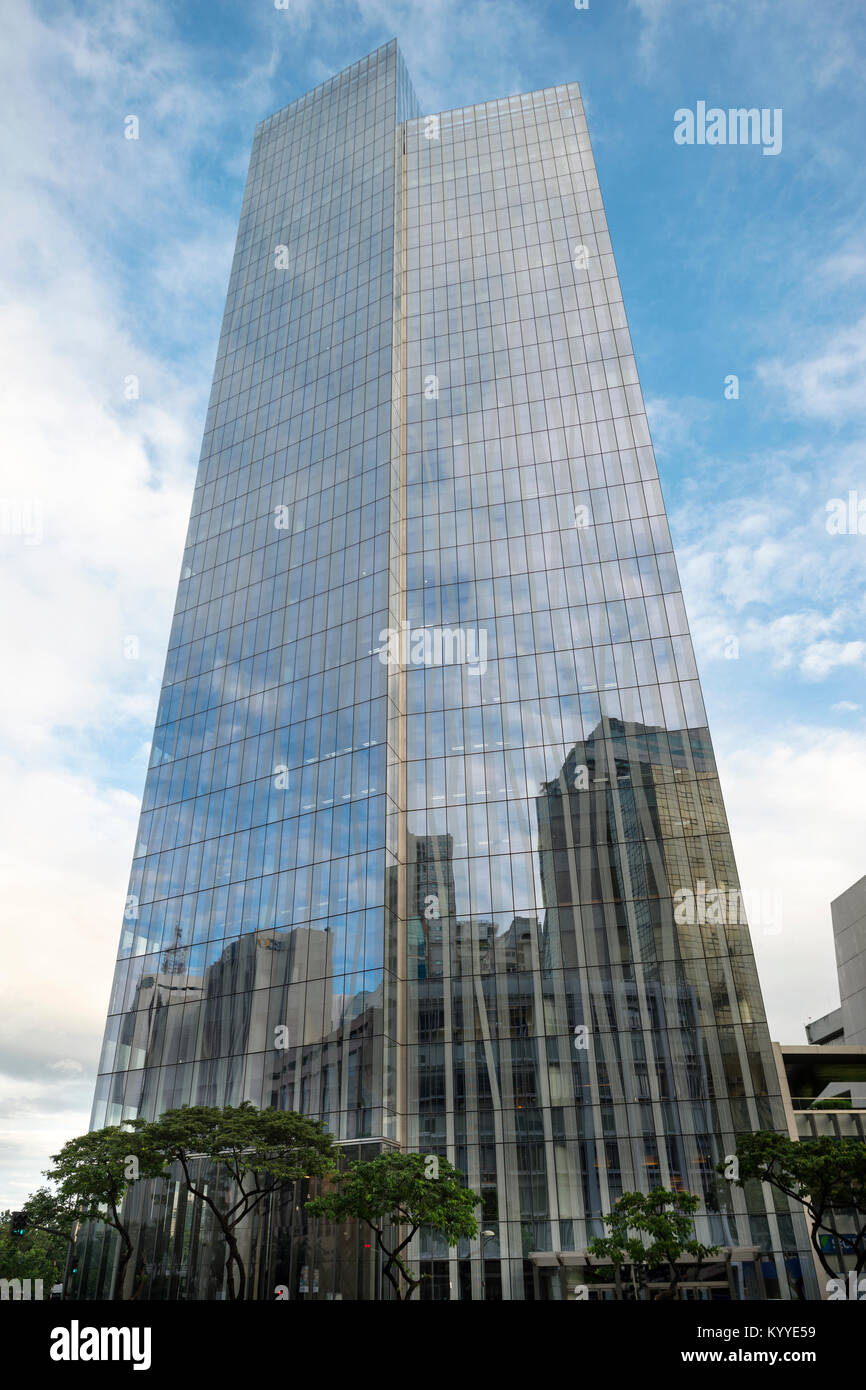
<point>431,771</point>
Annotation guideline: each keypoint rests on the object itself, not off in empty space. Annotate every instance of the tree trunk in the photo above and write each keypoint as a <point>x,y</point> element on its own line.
<point>125,1253</point>
<point>386,1270</point>
<point>235,1259</point>
<point>228,1236</point>
<point>394,1259</point>
<point>816,1246</point>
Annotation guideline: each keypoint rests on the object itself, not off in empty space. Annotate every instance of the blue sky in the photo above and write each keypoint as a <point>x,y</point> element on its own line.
<point>115,263</point>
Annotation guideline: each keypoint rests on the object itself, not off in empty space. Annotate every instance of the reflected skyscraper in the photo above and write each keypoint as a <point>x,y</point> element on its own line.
<point>431,762</point>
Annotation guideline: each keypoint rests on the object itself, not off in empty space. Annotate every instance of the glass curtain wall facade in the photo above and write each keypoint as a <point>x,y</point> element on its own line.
<point>431,762</point>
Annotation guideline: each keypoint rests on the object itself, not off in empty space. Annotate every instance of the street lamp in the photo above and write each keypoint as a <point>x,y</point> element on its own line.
<point>485,1236</point>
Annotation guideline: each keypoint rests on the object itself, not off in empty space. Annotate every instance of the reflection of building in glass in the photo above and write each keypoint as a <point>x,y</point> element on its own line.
<point>265,1002</point>
<point>662,1013</point>
<point>426,417</point>
<point>430,899</point>
<point>609,1048</point>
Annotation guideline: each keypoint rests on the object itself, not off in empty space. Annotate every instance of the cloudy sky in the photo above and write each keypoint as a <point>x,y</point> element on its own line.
<point>115,259</point>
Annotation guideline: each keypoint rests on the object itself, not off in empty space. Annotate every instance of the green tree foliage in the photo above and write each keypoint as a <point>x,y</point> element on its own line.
<point>260,1151</point>
<point>92,1174</point>
<point>650,1232</point>
<point>394,1193</point>
<point>38,1254</point>
<point>52,1213</point>
<point>827,1176</point>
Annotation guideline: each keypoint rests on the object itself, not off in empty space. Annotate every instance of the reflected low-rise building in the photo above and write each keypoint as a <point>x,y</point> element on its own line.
<point>431,777</point>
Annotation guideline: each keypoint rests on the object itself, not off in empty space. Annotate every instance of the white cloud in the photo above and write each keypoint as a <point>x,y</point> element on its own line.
<point>756,561</point>
<point>777,793</point>
<point>113,478</point>
<point>654,16</point>
<point>672,422</point>
<point>813,47</point>
<point>67,846</point>
<point>847,265</point>
<point>829,384</point>
<point>820,658</point>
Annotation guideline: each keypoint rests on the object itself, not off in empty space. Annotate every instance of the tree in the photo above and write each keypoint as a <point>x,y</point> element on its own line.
<point>261,1152</point>
<point>52,1214</point>
<point>825,1176</point>
<point>93,1173</point>
<point>650,1231</point>
<point>37,1254</point>
<point>395,1189</point>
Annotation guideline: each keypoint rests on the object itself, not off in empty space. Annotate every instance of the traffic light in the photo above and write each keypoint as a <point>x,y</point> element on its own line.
<point>19,1223</point>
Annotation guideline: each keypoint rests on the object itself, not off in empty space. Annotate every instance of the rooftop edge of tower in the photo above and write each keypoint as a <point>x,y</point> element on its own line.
<point>391,47</point>
<point>572,89</point>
